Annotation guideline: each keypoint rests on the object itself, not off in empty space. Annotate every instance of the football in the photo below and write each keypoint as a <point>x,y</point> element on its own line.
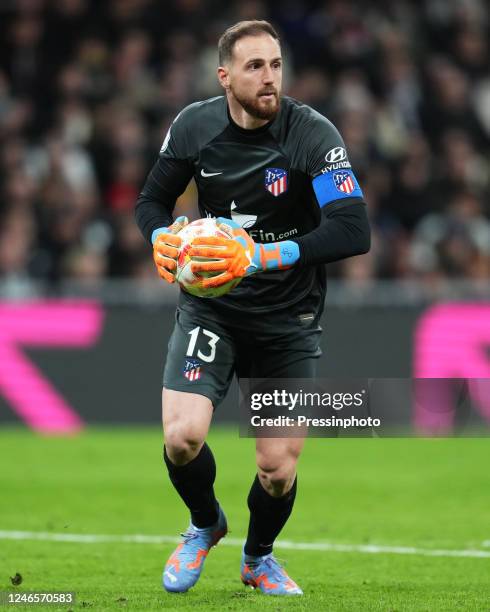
<point>184,275</point>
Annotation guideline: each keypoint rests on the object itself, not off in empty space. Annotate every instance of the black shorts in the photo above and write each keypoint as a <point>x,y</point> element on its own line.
<point>207,348</point>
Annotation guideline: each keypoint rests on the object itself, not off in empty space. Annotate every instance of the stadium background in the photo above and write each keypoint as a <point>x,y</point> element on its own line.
<point>87,92</point>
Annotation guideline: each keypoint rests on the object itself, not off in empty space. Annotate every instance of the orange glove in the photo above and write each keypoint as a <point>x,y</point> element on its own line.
<point>239,255</point>
<point>166,248</point>
<point>231,256</point>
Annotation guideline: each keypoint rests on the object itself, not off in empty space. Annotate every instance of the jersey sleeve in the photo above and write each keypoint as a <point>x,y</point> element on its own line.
<point>166,181</point>
<point>328,165</point>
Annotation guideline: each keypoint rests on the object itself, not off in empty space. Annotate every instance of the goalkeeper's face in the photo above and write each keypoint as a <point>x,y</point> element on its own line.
<point>254,75</point>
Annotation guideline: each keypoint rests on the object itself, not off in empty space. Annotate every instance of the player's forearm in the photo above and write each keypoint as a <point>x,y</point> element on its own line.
<point>156,202</point>
<point>151,215</point>
<point>342,233</point>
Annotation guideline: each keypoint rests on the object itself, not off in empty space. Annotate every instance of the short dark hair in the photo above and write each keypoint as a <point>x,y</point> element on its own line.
<point>254,27</point>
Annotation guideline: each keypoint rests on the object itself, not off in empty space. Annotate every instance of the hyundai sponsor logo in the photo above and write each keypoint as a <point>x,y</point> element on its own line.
<point>335,155</point>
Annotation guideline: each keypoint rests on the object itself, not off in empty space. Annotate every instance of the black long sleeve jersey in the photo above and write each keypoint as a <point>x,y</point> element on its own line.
<point>288,180</point>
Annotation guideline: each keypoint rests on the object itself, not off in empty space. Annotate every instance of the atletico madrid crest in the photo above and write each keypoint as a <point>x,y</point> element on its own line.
<point>343,181</point>
<point>276,181</point>
<point>192,369</point>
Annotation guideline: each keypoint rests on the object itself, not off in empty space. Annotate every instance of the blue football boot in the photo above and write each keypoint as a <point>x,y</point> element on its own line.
<point>266,574</point>
<point>185,564</point>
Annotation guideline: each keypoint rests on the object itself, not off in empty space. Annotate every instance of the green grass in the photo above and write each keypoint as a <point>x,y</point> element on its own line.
<point>405,492</point>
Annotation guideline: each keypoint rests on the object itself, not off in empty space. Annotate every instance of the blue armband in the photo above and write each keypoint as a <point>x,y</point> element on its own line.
<point>336,185</point>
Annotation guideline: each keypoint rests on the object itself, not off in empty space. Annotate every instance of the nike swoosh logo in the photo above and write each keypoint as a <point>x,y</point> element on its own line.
<point>206,174</point>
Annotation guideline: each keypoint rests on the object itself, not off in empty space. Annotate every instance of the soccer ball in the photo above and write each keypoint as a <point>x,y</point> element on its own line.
<point>184,275</point>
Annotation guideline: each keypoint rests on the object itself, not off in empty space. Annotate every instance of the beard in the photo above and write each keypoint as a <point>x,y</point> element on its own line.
<point>257,107</point>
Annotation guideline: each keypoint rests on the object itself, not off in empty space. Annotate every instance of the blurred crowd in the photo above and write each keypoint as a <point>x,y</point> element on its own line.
<point>89,88</point>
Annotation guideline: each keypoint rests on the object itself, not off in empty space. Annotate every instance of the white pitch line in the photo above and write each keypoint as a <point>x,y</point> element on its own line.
<point>372,549</point>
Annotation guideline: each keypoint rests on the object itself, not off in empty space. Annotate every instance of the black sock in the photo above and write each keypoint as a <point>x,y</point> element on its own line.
<point>194,483</point>
<point>268,515</point>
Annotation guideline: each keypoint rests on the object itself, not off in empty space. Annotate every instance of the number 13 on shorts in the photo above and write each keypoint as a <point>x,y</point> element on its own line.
<point>212,342</point>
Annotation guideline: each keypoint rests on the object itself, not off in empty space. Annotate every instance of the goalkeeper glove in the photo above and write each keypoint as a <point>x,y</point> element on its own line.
<point>166,248</point>
<point>238,255</point>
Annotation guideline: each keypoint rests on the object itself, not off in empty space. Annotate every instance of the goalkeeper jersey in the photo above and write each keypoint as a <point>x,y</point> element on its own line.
<point>274,181</point>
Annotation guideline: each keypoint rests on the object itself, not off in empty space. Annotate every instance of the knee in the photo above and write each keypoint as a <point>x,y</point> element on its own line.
<point>181,445</point>
<point>277,478</point>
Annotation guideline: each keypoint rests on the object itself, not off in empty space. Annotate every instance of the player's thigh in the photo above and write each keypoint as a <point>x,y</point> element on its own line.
<point>186,418</point>
<point>200,358</point>
<point>291,351</point>
<point>280,455</point>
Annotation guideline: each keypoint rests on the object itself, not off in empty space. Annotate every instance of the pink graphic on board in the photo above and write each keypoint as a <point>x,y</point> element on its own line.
<point>452,341</point>
<point>66,324</point>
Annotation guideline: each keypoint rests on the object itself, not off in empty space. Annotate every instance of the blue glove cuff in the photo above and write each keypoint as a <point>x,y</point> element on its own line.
<point>277,255</point>
<point>289,252</point>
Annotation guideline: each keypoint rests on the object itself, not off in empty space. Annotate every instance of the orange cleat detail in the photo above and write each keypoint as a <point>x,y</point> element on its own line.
<point>266,574</point>
<point>201,555</point>
<point>174,559</point>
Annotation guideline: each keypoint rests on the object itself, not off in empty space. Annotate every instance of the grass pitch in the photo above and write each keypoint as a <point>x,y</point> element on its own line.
<point>426,494</point>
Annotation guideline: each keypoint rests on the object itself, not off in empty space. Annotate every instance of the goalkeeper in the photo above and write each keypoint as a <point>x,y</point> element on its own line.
<point>276,175</point>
